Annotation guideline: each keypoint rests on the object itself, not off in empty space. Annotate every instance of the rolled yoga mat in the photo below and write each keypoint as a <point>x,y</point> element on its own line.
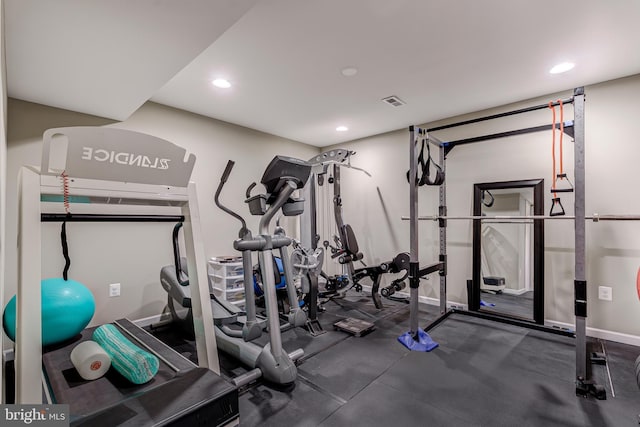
<point>90,360</point>
<point>132,362</point>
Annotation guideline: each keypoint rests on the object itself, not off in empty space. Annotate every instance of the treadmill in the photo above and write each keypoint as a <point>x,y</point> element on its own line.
<point>180,394</point>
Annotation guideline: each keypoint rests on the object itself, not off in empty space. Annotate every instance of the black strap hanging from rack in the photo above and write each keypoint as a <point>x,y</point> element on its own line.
<point>65,248</point>
<point>423,176</point>
<point>487,198</point>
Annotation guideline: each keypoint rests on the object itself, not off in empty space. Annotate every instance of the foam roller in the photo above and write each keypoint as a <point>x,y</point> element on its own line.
<point>132,362</point>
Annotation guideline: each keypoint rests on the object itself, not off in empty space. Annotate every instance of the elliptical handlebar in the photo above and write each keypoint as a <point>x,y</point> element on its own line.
<point>223,180</point>
<point>249,188</point>
<point>227,171</point>
<point>283,196</point>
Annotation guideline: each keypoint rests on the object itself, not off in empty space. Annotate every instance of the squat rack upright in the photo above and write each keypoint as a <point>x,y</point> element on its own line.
<point>585,384</point>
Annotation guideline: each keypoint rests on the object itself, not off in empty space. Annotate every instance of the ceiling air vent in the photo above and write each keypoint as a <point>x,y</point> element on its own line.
<point>394,101</point>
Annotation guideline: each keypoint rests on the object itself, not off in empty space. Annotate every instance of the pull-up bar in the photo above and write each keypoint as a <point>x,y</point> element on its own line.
<point>499,115</point>
<point>448,146</point>
<point>59,217</point>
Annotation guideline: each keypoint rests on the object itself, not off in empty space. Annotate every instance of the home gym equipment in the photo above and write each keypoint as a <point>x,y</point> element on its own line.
<point>326,167</point>
<point>281,178</point>
<point>290,302</point>
<point>175,281</point>
<point>345,248</point>
<point>307,265</point>
<point>585,384</point>
<point>347,252</point>
<point>234,330</point>
<point>399,264</point>
<point>67,308</point>
<point>122,168</point>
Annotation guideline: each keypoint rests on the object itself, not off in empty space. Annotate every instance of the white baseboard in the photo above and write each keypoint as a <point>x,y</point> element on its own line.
<point>601,333</point>
<point>422,299</point>
<point>514,291</point>
<point>151,320</point>
<point>591,332</point>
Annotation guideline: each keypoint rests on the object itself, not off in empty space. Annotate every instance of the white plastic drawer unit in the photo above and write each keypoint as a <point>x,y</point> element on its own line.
<point>226,283</point>
<point>225,266</point>
<point>235,296</point>
<point>226,278</point>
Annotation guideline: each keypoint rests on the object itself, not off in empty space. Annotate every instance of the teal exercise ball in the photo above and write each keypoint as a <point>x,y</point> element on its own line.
<point>67,308</point>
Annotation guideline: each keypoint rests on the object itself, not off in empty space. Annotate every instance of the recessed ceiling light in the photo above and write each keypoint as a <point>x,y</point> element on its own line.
<point>349,71</point>
<point>221,83</point>
<point>562,67</point>
<point>342,128</point>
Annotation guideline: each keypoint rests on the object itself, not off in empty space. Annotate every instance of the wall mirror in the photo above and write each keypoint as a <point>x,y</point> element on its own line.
<point>508,254</point>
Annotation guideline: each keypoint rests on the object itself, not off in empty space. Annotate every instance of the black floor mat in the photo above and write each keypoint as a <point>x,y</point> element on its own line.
<point>484,373</point>
<point>303,406</point>
<point>502,375</point>
<point>381,405</point>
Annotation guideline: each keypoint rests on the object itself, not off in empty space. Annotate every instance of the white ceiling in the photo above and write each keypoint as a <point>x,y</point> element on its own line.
<point>284,57</point>
<point>106,58</point>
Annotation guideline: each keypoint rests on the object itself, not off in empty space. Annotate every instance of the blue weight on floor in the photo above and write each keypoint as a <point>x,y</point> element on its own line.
<point>67,308</point>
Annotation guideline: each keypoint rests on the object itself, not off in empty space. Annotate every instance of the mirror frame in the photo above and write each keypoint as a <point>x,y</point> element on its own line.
<point>538,247</point>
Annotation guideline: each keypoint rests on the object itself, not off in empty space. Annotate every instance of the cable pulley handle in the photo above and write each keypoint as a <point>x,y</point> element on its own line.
<point>227,171</point>
<point>568,188</point>
<point>555,205</point>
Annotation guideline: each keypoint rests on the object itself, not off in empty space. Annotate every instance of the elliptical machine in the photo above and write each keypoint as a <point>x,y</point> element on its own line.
<point>281,178</point>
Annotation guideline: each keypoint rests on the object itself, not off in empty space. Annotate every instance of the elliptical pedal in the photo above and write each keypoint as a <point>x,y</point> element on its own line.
<point>314,327</point>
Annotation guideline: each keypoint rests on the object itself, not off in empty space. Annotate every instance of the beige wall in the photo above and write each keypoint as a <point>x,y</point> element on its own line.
<point>373,206</point>
<point>132,254</point>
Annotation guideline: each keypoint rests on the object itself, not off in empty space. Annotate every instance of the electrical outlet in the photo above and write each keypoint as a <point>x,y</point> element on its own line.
<point>114,290</point>
<point>605,293</point>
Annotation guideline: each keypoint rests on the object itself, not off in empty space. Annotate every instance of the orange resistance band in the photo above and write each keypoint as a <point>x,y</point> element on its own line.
<point>553,142</point>
<point>553,147</point>
<point>561,134</point>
